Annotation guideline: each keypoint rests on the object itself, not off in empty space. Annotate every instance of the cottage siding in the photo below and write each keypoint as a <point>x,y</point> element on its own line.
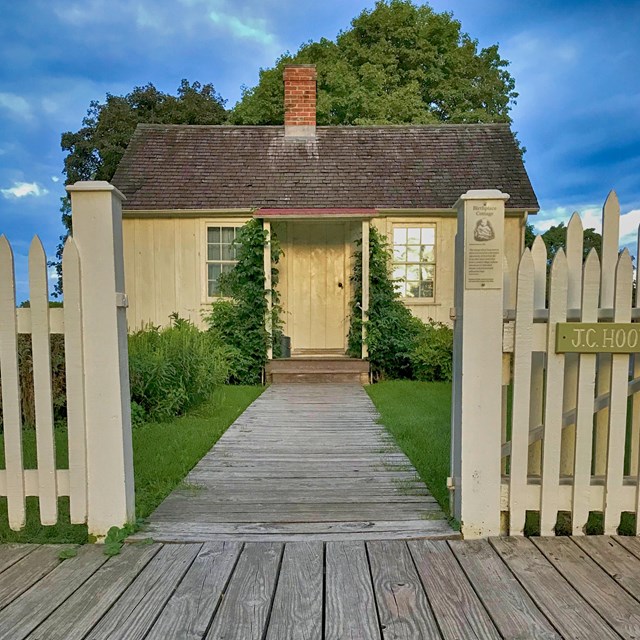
<point>165,269</point>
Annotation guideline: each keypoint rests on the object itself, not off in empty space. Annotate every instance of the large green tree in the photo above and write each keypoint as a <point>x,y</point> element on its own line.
<point>94,151</point>
<point>555,238</point>
<point>398,63</point>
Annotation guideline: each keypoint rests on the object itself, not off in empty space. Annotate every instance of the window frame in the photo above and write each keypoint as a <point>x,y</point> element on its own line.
<point>204,259</point>
<point>416,224</point>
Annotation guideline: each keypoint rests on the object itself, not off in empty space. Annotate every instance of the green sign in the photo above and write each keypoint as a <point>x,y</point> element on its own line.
<point>597,337</point>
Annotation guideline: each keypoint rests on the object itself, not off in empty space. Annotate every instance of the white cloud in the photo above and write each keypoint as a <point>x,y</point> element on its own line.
<point>24,189</point>
<point>55,179</point>
<point>591,216</point>
<point>16,105</point>
<point>249,29</point>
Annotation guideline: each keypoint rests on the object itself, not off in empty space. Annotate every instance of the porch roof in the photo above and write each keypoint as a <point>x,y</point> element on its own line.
<point>316,212</point>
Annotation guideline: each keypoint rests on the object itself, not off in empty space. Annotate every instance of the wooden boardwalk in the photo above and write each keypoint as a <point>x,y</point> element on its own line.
<point>516,588</point>
<point>303,462</point>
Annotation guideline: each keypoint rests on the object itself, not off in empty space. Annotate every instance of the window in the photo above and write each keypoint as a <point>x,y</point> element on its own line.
<point>414,260</point>
<point>221,255</point>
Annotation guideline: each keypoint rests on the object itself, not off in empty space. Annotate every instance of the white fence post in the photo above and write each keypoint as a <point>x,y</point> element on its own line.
<point>97,230</point>
<point>476,416</point>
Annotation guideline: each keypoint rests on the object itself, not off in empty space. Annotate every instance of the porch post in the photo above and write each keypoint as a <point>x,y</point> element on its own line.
<point>266,225</point>
<point>365,284</point>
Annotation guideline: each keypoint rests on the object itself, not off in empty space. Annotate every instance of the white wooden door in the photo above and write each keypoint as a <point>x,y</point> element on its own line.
<point>318,301</point>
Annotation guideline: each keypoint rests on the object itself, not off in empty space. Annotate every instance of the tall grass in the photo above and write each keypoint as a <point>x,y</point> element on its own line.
<point>174,369</point>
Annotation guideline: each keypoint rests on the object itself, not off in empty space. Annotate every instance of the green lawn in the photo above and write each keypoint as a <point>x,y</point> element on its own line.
<point>163,455</point>
<point>418,415</point>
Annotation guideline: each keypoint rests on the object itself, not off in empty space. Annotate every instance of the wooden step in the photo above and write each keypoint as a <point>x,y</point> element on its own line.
<point>318,370</point>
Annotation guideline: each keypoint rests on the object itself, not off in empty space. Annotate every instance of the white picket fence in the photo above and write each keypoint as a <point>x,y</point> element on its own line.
<point>569,442</point>
<point>99,479</point>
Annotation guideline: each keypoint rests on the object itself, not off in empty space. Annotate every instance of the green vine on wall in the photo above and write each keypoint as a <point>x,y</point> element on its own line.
<point>399,344</point>
<point>239,316</point>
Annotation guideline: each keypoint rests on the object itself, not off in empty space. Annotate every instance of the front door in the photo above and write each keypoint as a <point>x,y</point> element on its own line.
<point>320,253</point>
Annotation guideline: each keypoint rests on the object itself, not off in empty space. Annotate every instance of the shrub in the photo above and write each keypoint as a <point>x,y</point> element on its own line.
<point>391,329</point>
<point>399,344</point>
<point>238,317</point>
<point>58,380</point>
<point>432,357</point>
<point>173,369</point>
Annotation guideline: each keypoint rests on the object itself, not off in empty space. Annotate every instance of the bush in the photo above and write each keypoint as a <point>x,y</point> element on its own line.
<point>392,330</point>
<point>432,357</point>
<point>399,344</point>
<point>173,369</point>
<point>238,318</point>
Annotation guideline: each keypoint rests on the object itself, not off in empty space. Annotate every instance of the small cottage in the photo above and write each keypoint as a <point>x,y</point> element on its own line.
<point>189,189</point>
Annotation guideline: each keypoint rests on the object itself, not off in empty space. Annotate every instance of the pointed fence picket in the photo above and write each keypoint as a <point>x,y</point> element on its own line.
<point>99,477</point>
<point>573,448</point>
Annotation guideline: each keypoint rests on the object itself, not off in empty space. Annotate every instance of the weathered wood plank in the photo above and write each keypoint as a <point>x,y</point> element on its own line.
<point>403,607</point>
<point>19,577</point>
<point>567,611</point>
<point>81,612</point>
<point>297,606</point>
<point>24,614</point>
<point>133,614</point>
<point>617,561</point>
<point>614,604</point>
<point>300,455</point>
<point>630,544</point>
<point>245,609</point>
<point>510,607</point>
<point>456,606</point>
<point>11,553</point>
<point>190,609</point>
<point>350,610</point>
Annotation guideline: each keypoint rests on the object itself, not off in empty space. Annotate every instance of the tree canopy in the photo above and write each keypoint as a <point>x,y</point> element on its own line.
<point>555,238</point>
<point>94,151</point>
<point>398,63</point>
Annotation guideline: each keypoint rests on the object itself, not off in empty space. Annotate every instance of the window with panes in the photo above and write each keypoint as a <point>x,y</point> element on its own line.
<point>414,260</point>
<point>221,255</point>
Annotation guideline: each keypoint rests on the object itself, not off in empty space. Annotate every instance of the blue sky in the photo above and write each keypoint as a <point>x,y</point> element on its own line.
<point>575,64</point>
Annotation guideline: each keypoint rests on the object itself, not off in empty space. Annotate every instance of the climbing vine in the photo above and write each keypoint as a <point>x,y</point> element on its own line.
<point>399,344</point>
<point>239,316</point>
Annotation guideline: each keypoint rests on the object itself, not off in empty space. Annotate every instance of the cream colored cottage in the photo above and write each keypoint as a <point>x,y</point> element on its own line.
<point>189,188</point>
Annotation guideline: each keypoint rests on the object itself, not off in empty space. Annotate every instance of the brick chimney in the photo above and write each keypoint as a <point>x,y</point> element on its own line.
<point>300,100</point>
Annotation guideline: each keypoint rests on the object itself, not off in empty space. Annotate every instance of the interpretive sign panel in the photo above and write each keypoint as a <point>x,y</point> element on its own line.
<point>484,241</point>
<point>597,337</point>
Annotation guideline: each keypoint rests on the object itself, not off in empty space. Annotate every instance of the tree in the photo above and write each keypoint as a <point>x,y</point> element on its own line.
<point>94,151</point>
<point>556,238</point>
<point>399,63</point>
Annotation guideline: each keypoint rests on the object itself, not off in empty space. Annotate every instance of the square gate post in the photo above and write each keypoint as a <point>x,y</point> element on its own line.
<point>477,376</point>
<point>97,230</point>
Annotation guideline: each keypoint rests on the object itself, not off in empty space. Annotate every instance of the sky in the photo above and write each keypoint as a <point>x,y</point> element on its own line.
<point>575,64</point>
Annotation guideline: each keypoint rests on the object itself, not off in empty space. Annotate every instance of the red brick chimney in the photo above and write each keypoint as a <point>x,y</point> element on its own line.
<point>300,100</point>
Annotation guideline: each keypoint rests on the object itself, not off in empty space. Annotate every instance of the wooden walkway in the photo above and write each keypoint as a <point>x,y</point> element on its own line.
<point>520,588</point>
<point>303,462</point>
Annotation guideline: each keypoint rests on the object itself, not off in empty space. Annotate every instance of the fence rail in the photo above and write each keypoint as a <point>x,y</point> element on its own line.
<point>99,477</point>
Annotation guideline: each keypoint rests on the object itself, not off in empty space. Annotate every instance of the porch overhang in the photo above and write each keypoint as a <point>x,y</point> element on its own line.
<point>315,213</point>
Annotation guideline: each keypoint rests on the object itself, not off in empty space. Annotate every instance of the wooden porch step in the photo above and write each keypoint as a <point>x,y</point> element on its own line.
<point>317,370</point>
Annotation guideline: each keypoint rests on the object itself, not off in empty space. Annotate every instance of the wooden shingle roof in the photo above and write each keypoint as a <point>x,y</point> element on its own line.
<point>223,167</point>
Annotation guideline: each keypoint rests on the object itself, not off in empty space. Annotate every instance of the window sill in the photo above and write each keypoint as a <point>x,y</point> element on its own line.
<point>424,302</point>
